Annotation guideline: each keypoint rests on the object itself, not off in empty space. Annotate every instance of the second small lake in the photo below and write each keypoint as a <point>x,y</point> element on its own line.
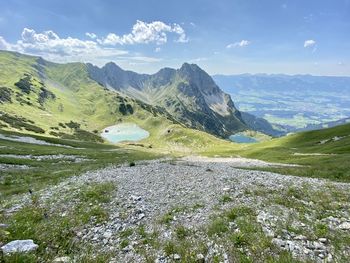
<point>241,138</point>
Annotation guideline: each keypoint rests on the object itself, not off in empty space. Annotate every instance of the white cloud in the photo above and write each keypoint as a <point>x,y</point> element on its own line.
<point>91,35</point>
<point>309,43</point>
<point>242,43</point>
<point>51,46</point>
<point>48,42</point>
<point>144,33</point>
<point>3,44</point>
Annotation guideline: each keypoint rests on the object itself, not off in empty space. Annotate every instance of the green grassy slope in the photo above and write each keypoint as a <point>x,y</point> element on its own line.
<point>75,98</point>
<point>330,159</point>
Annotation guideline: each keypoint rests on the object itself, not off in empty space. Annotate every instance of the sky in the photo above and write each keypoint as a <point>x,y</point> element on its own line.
<point>222,36</point>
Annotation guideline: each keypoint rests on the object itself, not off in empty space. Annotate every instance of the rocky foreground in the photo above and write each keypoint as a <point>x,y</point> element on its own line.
<point>203,210</point>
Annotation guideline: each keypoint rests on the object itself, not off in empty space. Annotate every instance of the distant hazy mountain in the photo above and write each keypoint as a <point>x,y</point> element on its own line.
<point>293,102</point>
<point>189,94</point>
<point>325,125</point>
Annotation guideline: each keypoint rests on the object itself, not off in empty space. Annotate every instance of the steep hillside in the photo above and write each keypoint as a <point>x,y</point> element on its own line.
<point>320,153</point>
<point>188,93</point>
<point>61,100</point>
<point>261,125</point>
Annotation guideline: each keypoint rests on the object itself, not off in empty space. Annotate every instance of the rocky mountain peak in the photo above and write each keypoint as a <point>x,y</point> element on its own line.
<point>188,93</point>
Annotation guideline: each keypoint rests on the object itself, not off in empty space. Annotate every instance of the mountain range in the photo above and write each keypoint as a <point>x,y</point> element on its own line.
<point>76,99</point>
<point>189,94</point>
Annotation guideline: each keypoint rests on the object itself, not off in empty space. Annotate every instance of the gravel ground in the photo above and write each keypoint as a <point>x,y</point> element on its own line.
<point>64,157</point>
<point>4,167</point>
<point>27,139</point>
<point>191,189</point>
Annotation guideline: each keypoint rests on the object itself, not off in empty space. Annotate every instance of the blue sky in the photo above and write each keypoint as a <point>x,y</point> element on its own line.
<point>227,37</point>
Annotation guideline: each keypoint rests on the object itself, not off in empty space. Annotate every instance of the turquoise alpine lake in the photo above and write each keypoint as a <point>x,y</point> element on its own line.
<point>241,138</point>
<point>124,132</point>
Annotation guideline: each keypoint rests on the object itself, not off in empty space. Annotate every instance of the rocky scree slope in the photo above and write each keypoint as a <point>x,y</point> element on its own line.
<point>188,210</point>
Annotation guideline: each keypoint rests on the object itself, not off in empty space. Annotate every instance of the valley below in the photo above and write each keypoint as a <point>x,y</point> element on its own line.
<point>291,103</point>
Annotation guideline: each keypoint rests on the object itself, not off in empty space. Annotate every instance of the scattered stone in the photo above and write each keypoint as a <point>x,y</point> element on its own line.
<point>345,226</point>
<point>279,242</point>
<point>19,246</point>
<point>128,248</point>
<point>322,240</point>
<point>141,216</point>
<point>329,258</point>
<point>136,198</point>
<point>321,255</point>
<point>200,258</point>
<point>4,167</point>
<point>107,234</point>
<point>300,237</point>
<point>176,257</point>
<point>62,260</point>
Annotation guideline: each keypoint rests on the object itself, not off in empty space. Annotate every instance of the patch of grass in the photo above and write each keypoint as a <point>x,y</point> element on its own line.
<point>226,199</point>
<point>283,257</point>
<point>53,232</point>
<point>124,243</point>
<point>238,211</point>
<point>247,242</point>
<point>167,218</point>
<point>141,230</point>
<point>238,239</point>
<point>20,122</point>
<point>217,227</point>
<point>97,213</point>
<point>126,233</point>
<point>150,239</point>
<point>197,206</point>
<point>181,232</point>
<point>170,248</point>
<point>20,258</point>
<point>98,193</point>
<point>321,230</point>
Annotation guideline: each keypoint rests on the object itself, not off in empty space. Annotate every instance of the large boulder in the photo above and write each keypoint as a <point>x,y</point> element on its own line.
<point>19,246</point>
